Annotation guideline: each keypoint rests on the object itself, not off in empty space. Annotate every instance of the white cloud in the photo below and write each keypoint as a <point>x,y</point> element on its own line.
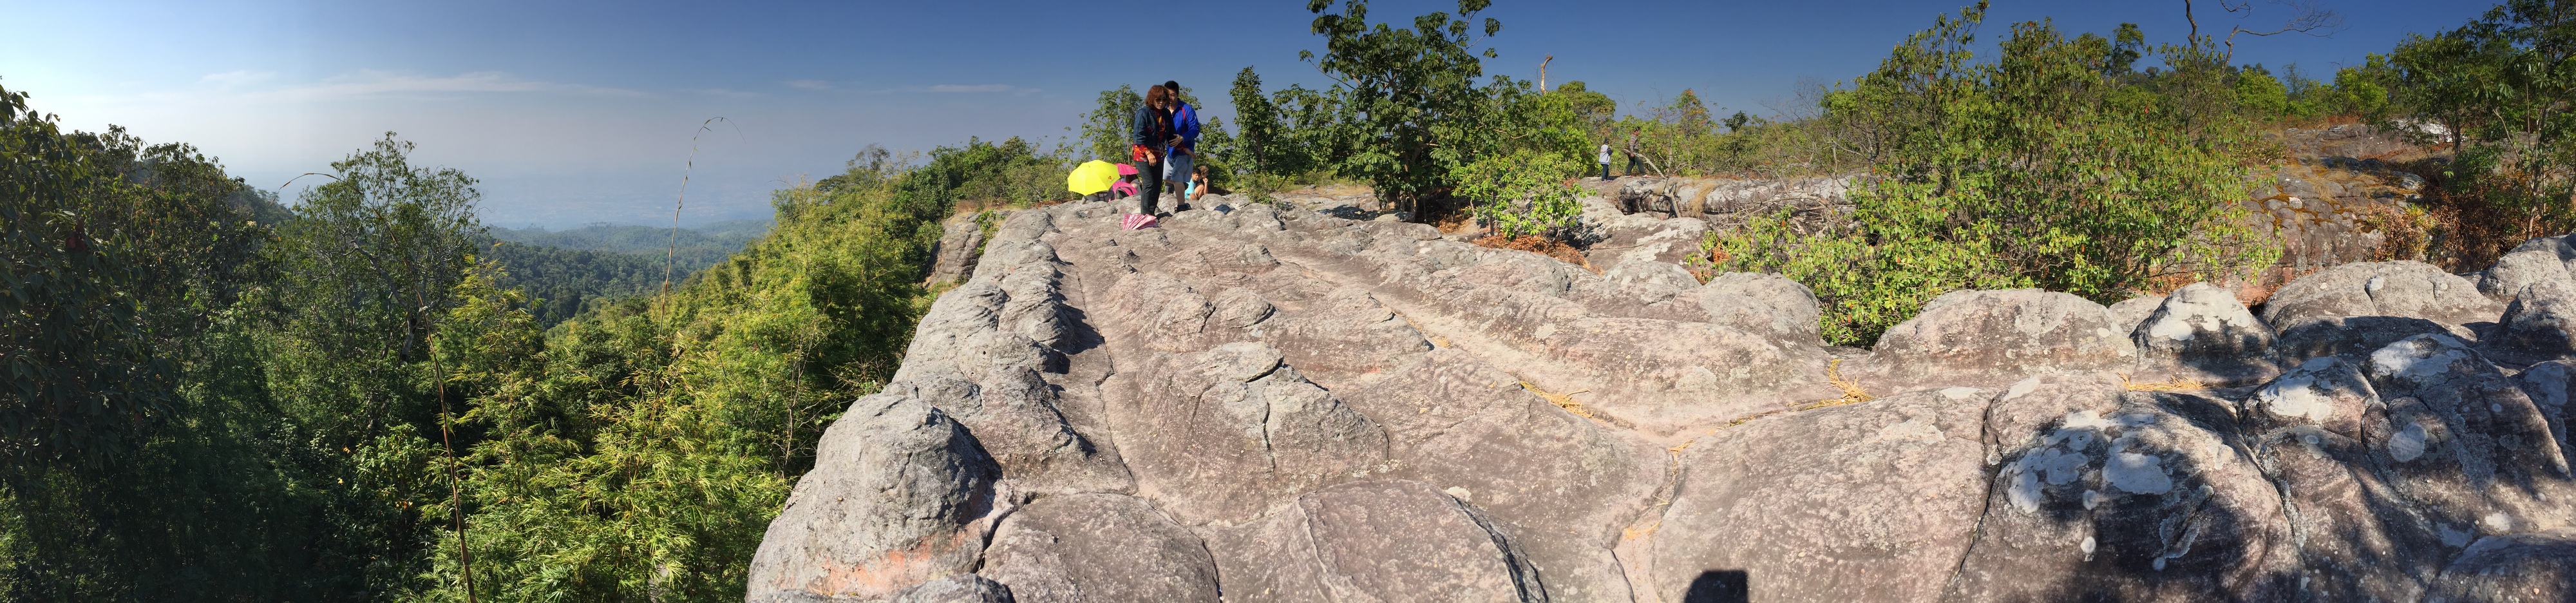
<point>809,84</point>
<point>973,88</point>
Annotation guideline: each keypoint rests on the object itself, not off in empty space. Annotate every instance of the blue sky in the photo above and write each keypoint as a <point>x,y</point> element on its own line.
<point>577,112</point>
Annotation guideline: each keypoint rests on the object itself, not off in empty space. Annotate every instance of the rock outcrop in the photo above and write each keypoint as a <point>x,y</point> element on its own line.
<point>1269,403</point>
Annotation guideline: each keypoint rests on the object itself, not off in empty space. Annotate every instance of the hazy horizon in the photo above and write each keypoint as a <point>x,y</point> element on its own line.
<point>579,112</point>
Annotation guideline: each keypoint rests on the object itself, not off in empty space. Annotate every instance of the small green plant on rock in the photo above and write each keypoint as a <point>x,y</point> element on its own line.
<point>1522,194</point>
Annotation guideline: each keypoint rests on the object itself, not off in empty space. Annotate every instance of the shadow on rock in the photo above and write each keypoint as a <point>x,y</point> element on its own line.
<point>1720,586</point>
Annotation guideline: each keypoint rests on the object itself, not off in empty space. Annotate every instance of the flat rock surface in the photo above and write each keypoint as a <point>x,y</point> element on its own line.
<point>1269,403</point>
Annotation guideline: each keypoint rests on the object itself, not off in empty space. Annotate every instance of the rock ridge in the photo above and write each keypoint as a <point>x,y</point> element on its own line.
<point>1261,402</point>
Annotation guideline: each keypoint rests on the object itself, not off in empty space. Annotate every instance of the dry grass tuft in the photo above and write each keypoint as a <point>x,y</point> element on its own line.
<point>1538,245</point>
<point>1851,391</point>
<point>2179,385</point>
<point>1636,533</point>
<point>1564,400</point>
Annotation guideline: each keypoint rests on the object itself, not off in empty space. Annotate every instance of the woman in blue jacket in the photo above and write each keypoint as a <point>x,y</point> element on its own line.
<point>1151,142</point>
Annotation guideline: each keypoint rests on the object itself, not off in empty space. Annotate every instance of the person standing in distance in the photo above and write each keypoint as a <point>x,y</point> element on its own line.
<point>1183,149</point>
<point>1605,161</point>
<point>1151,138</point>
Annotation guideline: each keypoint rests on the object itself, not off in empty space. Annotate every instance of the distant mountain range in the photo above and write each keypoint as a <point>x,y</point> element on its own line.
<point>570,269</point>
<point>697,247</point>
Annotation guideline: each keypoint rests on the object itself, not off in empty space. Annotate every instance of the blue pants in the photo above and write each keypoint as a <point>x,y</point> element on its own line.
<point>1176,171</point>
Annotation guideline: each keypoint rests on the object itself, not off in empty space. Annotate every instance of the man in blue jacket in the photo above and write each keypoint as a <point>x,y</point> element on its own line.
<point>1185,127</point>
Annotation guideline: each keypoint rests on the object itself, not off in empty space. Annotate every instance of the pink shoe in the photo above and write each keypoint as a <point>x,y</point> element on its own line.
<point>1136,221</point>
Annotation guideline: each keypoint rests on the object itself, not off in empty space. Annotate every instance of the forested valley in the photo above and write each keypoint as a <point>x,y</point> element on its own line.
<point>365,393</point>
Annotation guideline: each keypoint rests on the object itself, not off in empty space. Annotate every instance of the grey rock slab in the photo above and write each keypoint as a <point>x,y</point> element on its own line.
<point>1102,548</point>
<point>2405,289</point>
<point>899,495</point>
<point>2539,566</point>
<point>2201,333</point>
<point>2539,325</point>
<point>2547,384</point>
<point>1661,376</point>
<point>2353,338</point>
<point>2326,393</point>
<point>2522,269</point>
<point>1670,241</point>
<point>2356,536</point>
<point>2129,312</point>
<point>961,243</point>
<point>2154,500</point>
<point>1225,434</point>
<point>1374,541</point>
<point>958,588</point>
<point>1469,428</point>
<point>1160,313</point>
<point>1649,281</point>
<point>1873,501</point>
<point>1345,339</point>
<point>2017,420</point>
<point>2465,442</point>
<point>1767,304</point>
<point>1992,338</point>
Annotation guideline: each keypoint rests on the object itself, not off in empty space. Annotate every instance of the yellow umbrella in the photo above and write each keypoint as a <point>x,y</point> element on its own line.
<point>1091,177</point>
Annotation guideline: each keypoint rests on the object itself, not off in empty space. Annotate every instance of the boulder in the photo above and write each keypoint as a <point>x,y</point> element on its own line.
<point>1649,281</point>
<point>2201,334</point>
<point>2402,289</point>
<point>2129,312</point>
<point>1098,548</point>
<point>2547,385</point>
<point>2356,536</point>
<point>1873,501</point>
<point>1766,304</point>
<point>1671,242</point>
<point>2353,338</point>
<point>900,495</point>
<point>2539,566</point>
<point>961,243</point>
<point>2465,442</point>
<point>2539,325</point>
<point>2520,270</point>
<point>957,588</point>
<point>2325,393</point>
<point>1375,541</point>
<point>1992,338</point>
<point>2150,500</point>
<point>1221,435</point>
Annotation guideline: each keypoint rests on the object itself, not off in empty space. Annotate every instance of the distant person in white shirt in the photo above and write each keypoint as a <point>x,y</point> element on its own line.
<point>1605,161</point>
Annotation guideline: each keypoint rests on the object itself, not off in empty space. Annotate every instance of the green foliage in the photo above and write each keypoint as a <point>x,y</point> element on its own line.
<point>2262,95</point>
<point>1525,193</point>
<point>1863,287</point>
<point>1010,173</point>
<point>1105,130</point>
<point>561,283</point>
<point>1407,98</point>
<point>83,378</point>
<point>696,246</point>
<point>2502,86</point>
<point>1284,137</point>
<point>643,446</point>
<point>2035,169</point>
